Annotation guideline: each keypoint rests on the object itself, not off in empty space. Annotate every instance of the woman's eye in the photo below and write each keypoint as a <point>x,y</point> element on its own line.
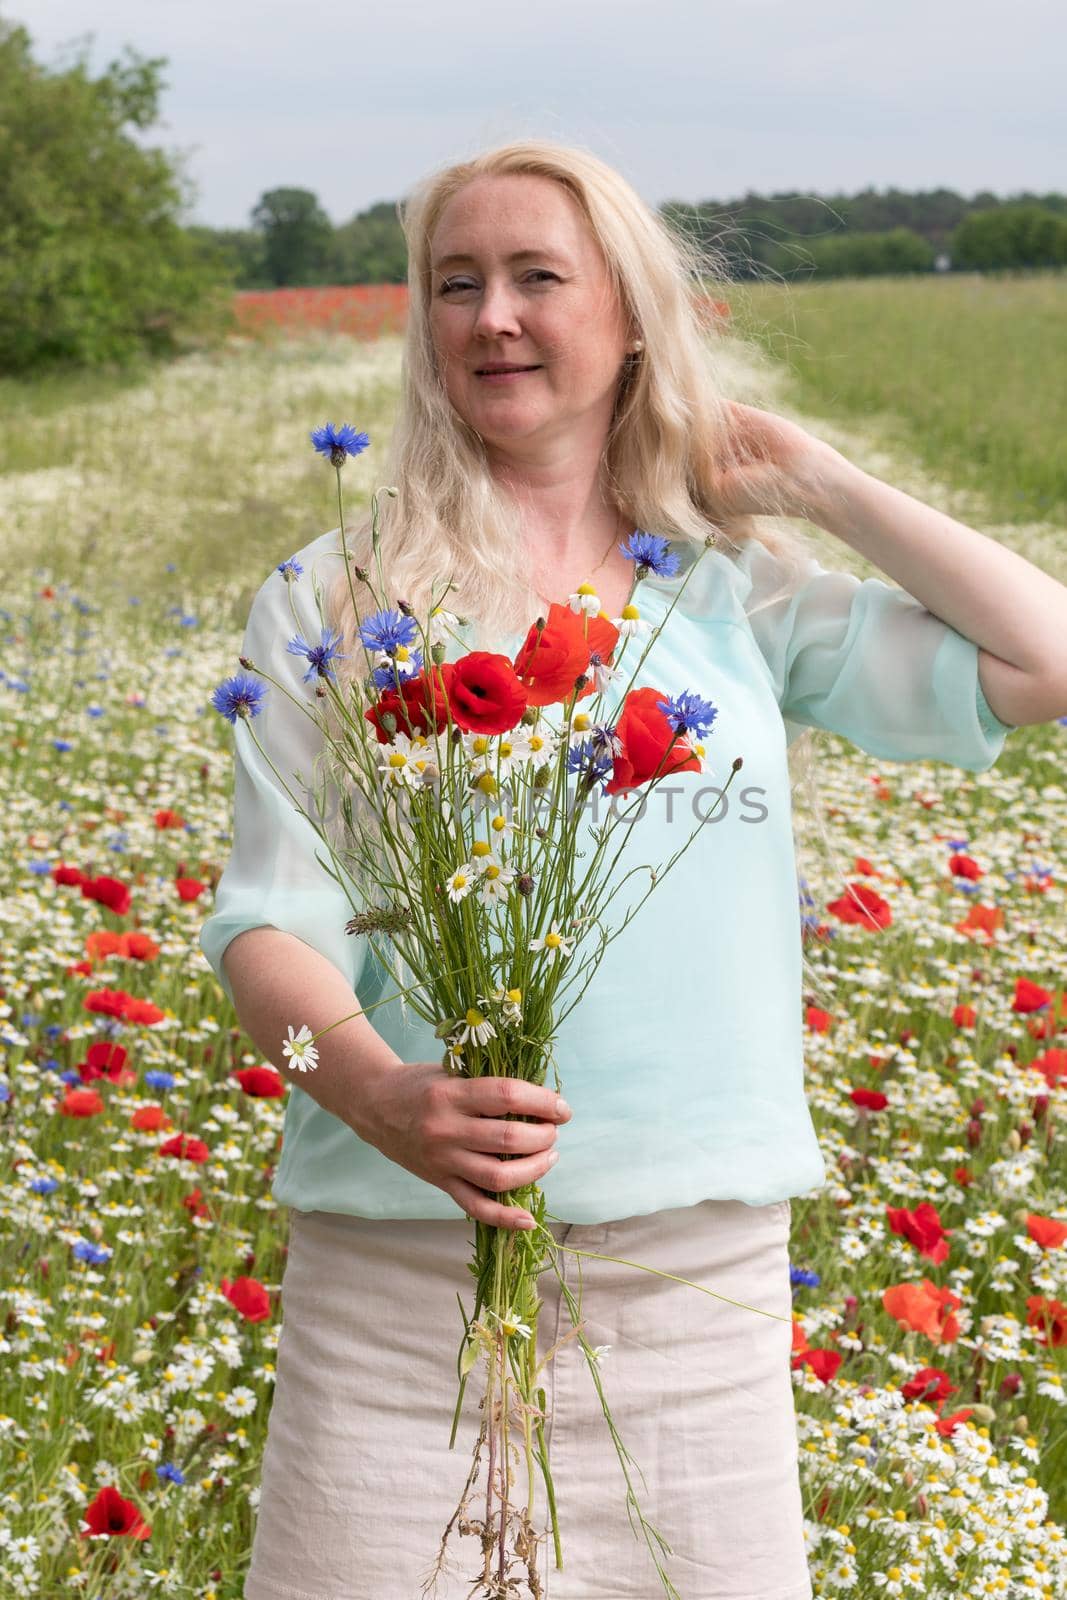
<point>463,283</point>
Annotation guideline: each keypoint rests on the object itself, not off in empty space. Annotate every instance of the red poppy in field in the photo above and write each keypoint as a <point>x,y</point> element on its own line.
<point>109,892</point>
<point>262,1083</point>
<point>869,1099</point>
<point>485,694</point>
<point>1046,1231</point>
<point>70,877</point>
<point>194,1204</point>
<point>101,944</point>
<point>169,819</point>
<point>110,1514</point>
<point>981,922</point>
<point>922,1228</point>
<point>249,1297</point>
<point>965,867</point>
<point>107,1002</point>
<point>185,1148</point>
<point>1052,1065</point>
<point>150,1119</point>
<point>189,888</point>
<point>924,1308</point>
<point>861,904</point>
<point>1040,1310</point>
<point>1029,996</point>
<point>420,705</point>
<point>552,657</point>
<point>649,744</point>
<point>105,1060</point>
<point>142,1011</point>
<point>81,1103</point>
<point>818,1021</point>
<point>929,1384</point>
<point>964,1017</point>
<point>824,1363</point>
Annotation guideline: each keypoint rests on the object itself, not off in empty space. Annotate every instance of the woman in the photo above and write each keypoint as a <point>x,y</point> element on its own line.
<point>559,392</point>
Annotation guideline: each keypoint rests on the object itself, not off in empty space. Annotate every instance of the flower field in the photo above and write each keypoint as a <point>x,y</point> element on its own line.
<point>141,1254</point>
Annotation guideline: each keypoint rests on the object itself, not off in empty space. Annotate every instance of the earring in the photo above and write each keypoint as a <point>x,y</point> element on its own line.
<point>638,345</point>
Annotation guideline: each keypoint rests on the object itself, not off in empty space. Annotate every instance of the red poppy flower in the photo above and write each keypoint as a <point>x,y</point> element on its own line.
<point>109,1513</point>
<point>649,745</point>
<point>964,1016</point>
<point>1046,1231</point>
<point>189,888</point>
<point>81,1103</point>
<point>169,819</point>
<point>108,1002</point>
<point>419,705</point>
<point>552,657</point>
<point>105,1060</point>
<point>108,892</point>
<point>249,1297</point>
<point>150,1119</point>
<point>138,946</point>
<point>194,1204</point>
<point>965,867</point>
<point>142,1011</point>
<point>263,1083</point>
<point>1039,1309</point>
<point>70,877</point>
<point>862,905</point>
<point>485,694</point>
<point>924,1308</point>
<point>922,1228</point>
<point>185,1148</point>
<point>101,944</point>
<point>869,1099</point>
<point>1029,996</point>
<point>929,1384</point>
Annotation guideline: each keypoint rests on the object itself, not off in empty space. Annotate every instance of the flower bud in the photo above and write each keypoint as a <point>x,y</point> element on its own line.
<point>438,652</point>
<point>244,662</point>
<point>529,716</point>
<point>359,572</point>
<point>1010,1384</point>
<point>405,610</point>
<point>524,883</point>
<point>984,1413</point>
<point>1021,1426</point>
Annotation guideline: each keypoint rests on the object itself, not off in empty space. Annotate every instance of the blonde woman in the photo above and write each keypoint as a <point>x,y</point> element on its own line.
<point>560,393</point>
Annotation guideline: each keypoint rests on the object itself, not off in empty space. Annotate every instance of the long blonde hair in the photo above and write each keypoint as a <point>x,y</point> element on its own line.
<point>669,438</point>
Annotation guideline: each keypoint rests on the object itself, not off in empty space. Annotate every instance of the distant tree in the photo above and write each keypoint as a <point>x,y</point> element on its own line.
<point>238,253</point>
<point>297,236</point>
<point>95,265</point>
<point>1017,236</point>
<point>863,255</point>
<point>371,247</point>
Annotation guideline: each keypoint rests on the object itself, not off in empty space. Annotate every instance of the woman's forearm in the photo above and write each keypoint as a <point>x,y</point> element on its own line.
<point>276,980</point>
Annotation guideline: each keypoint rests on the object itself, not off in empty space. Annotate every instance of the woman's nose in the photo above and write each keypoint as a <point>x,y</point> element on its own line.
<point>498,311</point>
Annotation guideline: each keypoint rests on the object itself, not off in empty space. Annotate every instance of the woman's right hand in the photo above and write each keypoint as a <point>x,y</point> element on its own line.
<point>453,1132</point>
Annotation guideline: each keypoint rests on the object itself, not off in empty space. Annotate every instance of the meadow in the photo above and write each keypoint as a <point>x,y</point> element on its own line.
<point>142,1253</point>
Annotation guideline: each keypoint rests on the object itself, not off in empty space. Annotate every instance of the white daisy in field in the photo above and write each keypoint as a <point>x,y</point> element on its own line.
<point>553,943</point>
<point>630,623</point>
<point>584,599</point>
<point>476,1029</point>
<point>439,623</point>
<point>501,825</point>
<point>510,1003</point>
<point>403,661</point>
<point>300,1049</point>
<point>581,725</point>
<point>461,882</point>
<point>406,759</point>
<point>494,882</point>
<point>511,1323</point>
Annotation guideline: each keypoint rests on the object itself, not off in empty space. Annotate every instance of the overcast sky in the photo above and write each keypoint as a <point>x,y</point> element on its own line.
<point>690,99</point>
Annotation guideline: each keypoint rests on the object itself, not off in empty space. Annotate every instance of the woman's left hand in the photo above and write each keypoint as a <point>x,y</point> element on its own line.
<point>779,470</point>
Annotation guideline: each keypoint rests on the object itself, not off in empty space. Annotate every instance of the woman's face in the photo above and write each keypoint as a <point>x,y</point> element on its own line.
<point>518,280</point>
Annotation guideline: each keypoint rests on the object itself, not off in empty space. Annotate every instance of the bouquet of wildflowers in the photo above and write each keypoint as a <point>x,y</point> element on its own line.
<point>462,839</point>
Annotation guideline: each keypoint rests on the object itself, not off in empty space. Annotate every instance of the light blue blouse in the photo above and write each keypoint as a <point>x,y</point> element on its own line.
<point>683,1062</point>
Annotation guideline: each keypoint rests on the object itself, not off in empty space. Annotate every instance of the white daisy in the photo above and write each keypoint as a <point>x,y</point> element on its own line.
<point>401,659</point>
<point>630,623</point>
<point>495,882</point>
<point>511,1323</point>
<point>300,1048</point>
<point>440,622</point>
<point>553,943</point>
<point>601,674</point>
<point>461,882</point>
<point>406,759</point>
<point>476,1028</point>
<point>580,728</point>
<point>584,598</point>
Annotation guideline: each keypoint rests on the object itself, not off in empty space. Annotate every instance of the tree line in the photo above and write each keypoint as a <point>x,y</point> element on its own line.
<point>99,263</point>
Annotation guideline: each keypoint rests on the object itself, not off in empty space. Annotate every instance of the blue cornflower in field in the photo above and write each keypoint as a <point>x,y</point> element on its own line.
<point>158,1079</point>
<point>290,570</point>
<point>239,696</point>
<point>95,1254</point>
<point>388,630</point>
<point>44,1185</point>
<point>593,763</point>
<point>40,869</point>
<point>688,713</point>
<point>62,744</point>
<point>339,443</point>
<point>170,1472</point>
<point>651,553</point>
<point>319,655</point>
<point>385,676</point>
<point>802,1275</point>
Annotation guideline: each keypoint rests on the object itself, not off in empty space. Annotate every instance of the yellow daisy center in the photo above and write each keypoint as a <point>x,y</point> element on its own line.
<point>515,996</point>
<point>536,742</point>
<point>492,870</point>
<point>552,940</point>
<point>459,881</point>
<point>498,824</point>
<point>480,744</point>
<point>481,847</point>
<point>487,783</point>
<point>474,1018</point>
<point>505,748</point>
<point>631,614</point>
<point>397,760</point>
<point>585,588</point>
<point>403,653</point>
<point>581,722</point>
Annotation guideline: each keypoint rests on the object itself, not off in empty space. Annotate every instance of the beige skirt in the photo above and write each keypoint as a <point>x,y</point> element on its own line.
<point>358,1481</point>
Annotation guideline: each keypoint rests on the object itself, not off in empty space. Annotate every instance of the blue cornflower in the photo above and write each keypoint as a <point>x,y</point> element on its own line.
<point>385,676</point>
<point>688,713</point>
<point>5,1091</point>
<point>239,696</point>
<point>339,443</point>
<point>291,569</point>
<point>651,553</point>
<point>158,1079</point>
<point>803,1275</point>
<point>170,1473</point>
<point>592,762</point>
<point>388,630</point>
<point>40,869</point>
<point>44,1185</point>
<point>319,655</point>
<point>95,1254</point>
<point>62,744</point>
<point>94,711</point>
<point>956,844</point>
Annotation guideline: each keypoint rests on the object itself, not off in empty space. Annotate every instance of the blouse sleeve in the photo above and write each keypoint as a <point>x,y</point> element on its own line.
<point>867,660</point>
<point>274,876</point>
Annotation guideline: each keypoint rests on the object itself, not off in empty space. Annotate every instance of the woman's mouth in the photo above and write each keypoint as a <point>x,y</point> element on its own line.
<point>503,374</point>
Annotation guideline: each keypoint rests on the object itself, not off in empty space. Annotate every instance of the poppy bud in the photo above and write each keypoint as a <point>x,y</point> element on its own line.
<point>524,883</point>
